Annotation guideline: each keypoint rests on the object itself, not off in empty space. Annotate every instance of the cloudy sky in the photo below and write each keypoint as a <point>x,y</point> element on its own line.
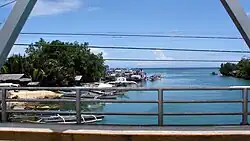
<point>163,17</point>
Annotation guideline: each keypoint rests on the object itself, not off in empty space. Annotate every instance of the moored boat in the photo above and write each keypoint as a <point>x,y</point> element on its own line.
<point>122,82</point>
<point>70,119</point>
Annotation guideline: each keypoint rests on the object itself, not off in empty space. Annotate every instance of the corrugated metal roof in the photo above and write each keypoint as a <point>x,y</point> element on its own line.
<point>4,77</point>
<point>25,79</point>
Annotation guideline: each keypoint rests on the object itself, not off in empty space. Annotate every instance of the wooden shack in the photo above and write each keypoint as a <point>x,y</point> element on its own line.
<point>21,79</point>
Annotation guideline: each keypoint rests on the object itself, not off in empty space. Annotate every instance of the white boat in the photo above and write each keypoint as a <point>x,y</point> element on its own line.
<point>122,81</point>
<point>103,85</point>
<point>106,92</point>
<point>136,77</point>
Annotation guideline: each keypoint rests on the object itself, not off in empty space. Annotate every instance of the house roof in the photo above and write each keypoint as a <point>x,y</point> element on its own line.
<point>25,79</point>
<point>78,77</point>
<point>4,77</point>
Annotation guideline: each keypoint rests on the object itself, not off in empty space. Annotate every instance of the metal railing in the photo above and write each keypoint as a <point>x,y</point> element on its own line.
<point>160,102</point>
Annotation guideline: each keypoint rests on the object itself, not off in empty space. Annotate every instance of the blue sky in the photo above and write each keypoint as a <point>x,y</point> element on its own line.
<point>165,17</point>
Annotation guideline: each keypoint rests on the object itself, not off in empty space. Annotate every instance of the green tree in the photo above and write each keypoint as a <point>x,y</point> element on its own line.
<point>243,68</point>
<point>56,63</point>
<point>240,70</point>
<point>38,75</point>
<point>4,69</point>
<point>227,69</point>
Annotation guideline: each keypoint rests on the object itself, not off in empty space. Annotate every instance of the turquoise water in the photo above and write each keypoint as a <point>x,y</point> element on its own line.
<point>181,77</point>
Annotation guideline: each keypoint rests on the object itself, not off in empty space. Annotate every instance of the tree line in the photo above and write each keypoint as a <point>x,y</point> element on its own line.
<point>239,70</point>
<point>56,63</point>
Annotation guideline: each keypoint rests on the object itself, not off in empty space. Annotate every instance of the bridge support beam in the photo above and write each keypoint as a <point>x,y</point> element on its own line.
<point>13,26</point>
<point>239,17</point>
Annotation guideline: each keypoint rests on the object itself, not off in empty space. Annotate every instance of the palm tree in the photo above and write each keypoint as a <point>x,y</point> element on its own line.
<point>4,69</point>
<point>37,75</point>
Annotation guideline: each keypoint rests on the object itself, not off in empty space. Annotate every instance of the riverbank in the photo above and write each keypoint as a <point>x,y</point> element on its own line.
<point>25,94</point>
<point>37,94</point>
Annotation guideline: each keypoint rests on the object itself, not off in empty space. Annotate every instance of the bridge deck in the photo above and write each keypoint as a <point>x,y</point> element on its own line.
<point>11,131</point>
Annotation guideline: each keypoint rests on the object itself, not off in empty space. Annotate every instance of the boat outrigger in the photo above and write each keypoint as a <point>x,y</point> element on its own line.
<point>70,119</point>
<point>60,119</point>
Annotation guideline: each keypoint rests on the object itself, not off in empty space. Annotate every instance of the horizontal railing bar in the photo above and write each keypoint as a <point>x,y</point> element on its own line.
<point>124,101</point>
<point>203,101</point>
<point>121,101</point>
<point>80,88</point>
<point>201,88</point>
<point>129,89</point>
<point>40,112</point>
<point>201,114</point>
<point>123,113</point>
<point>198,125</point>
<point>173,125</point>
<point>84,100</point>
<point>73,112</point>
<point>116,113</point>
<point>145,125</point>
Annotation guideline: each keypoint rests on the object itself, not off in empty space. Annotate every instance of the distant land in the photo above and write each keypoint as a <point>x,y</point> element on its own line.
<point>183,68</point>
<point>169,68</point>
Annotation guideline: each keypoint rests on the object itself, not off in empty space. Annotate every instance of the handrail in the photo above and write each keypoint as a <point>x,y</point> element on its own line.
<point>127,88</point>
<point>160,114</point>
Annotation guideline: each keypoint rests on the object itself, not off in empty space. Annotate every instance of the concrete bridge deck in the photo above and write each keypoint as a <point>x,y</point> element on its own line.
<point>40,132</point>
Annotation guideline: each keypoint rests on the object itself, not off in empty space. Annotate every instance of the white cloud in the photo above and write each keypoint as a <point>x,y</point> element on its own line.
<point>159,55</point>
<point>248,13</point>
<point>52,7</point>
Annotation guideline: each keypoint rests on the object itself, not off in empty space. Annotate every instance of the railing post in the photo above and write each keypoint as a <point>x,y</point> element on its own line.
<point>245,106</point>
<point>160,107</point>
<point>4,106</point>
<point>78,106</point>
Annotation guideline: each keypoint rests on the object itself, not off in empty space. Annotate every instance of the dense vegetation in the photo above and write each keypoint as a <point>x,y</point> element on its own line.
<point>239,70</point>
<point>56,63</point>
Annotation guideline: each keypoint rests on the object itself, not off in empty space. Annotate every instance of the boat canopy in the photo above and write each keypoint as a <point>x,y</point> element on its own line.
<point>136,76</point>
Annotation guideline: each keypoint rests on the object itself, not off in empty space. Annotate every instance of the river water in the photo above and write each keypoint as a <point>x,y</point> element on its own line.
<point>181,77</point>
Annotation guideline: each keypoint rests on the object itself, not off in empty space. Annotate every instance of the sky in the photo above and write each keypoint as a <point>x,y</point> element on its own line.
<point>161,17</point>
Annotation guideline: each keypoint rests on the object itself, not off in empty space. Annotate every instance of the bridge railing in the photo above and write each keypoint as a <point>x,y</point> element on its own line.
<point>160,113</point>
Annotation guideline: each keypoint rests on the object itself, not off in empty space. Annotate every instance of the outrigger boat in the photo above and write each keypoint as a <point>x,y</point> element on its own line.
<point>70,119</point>
<point>122,82</point>
<point>90,95</point>
<point>106,92</point>
<point>60,119</point>
<point>95,96</point>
